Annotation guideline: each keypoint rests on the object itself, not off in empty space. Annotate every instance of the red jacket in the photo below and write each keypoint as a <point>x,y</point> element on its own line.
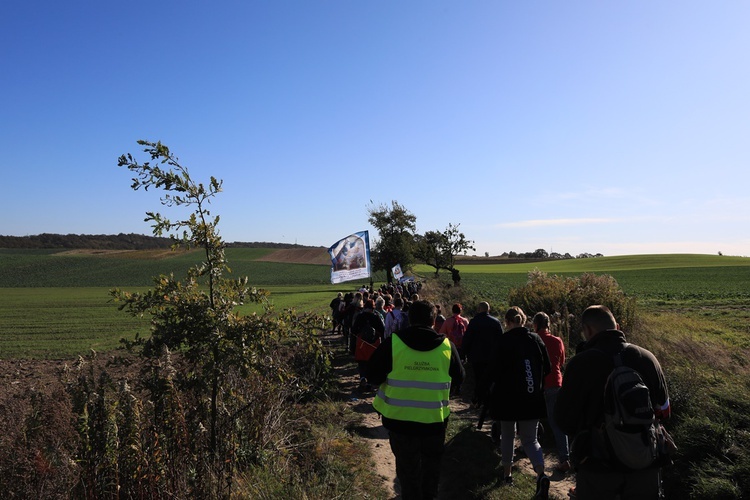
<point>556,352</point>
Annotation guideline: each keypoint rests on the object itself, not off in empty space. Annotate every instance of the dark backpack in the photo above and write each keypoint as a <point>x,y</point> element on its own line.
<point>629,419</point>
<point>399,322</point>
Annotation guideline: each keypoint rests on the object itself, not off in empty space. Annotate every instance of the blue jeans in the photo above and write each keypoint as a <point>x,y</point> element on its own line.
<point>550,397</point>
<point>527,435</point>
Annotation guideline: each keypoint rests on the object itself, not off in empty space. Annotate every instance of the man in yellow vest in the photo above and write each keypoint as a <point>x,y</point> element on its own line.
<point>414,368</point>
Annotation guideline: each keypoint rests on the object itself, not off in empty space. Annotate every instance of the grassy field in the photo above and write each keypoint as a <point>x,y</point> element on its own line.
<point>56,304</point>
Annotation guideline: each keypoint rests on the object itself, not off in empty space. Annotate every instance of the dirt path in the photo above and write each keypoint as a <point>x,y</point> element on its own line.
<point>377,436</point>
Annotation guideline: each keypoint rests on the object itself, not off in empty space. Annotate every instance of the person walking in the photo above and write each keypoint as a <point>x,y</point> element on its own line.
<point>455,328</point>
<point>517,397</point>
<point>395,320</point>
<point>369,330</point>
<point>414,369</point>
<point>479,342</point>
<point>335,311</point>
<point>580,409</point>
<point>552,382</point>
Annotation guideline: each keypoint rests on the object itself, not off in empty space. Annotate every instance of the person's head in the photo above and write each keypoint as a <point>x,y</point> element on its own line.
<point>541,322</point>
<point>483,307</point>
<point>439,320</point>
<point>379,303</point>
<point>515,317</point>
<point>340,295</point>
<point>597,319</point>
<point>422,313</point>
<point>414,297</point>
<point>457,308</point>
<point>369,304</point>
<point>398,303</point>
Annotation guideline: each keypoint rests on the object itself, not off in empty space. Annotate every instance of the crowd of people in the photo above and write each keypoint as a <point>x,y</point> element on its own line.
<point>415,359</point>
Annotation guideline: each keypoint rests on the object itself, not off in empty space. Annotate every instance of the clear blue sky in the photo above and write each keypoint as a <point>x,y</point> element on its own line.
<point>573,126</point>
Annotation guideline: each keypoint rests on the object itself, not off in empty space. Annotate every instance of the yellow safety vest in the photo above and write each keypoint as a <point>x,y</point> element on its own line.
<point>418,387</point>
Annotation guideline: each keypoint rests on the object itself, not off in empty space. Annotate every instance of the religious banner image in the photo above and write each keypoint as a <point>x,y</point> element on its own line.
<point>397,272</point>
<point>350,258</point>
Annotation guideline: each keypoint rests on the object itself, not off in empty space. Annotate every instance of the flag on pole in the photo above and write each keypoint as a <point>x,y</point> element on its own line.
<point>350,258</point>
<point>397,272</point>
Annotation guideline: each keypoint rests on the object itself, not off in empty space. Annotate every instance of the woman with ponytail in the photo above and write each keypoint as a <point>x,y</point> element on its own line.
<point>517,394</point>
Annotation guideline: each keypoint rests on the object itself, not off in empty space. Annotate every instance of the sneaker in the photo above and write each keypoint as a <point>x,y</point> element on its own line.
<point>542,488</point>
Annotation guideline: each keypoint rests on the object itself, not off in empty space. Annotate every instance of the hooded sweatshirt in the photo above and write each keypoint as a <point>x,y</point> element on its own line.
<point>420,338</point>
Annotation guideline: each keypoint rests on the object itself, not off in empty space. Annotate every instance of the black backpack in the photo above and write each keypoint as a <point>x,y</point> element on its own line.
<point>630,427</point>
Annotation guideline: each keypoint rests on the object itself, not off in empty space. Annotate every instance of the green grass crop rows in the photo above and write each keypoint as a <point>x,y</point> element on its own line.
<point>57,305</point>
<point>61,322</point>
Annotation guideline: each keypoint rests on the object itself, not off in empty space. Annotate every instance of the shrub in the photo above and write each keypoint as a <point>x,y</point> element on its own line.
<point>565,299</point>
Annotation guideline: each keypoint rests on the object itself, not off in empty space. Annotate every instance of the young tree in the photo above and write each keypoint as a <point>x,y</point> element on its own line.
<point>197,314</point>
<point>396,227</point>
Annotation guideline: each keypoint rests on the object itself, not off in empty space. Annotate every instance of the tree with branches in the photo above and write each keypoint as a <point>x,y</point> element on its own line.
<point>440,248</point>
<point>396,227</point>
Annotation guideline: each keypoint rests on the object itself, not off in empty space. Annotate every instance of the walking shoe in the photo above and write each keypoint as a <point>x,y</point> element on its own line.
<point>542,488</point>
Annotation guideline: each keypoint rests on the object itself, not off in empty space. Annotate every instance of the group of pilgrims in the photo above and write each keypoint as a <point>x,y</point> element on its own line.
<point>415,360</point>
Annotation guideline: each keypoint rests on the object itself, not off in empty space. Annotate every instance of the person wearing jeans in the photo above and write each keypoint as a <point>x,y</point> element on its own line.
<point>552,382</point>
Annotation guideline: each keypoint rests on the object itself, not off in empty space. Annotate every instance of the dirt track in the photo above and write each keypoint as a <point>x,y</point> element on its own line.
<point>307,255</point>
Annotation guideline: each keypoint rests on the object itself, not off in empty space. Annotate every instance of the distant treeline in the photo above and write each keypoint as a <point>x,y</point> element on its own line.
<point>110,242</point>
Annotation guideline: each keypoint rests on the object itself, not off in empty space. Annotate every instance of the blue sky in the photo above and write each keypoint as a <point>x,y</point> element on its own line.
<point>573,126</point>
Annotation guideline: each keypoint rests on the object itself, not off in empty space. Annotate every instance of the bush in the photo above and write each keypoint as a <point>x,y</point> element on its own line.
<point>565,299</point>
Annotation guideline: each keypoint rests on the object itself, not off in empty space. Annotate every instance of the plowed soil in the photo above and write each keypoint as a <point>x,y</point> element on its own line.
<point>307,255</point>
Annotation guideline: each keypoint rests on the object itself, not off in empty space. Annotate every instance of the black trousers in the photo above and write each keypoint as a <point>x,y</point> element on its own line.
<point>418,461</point>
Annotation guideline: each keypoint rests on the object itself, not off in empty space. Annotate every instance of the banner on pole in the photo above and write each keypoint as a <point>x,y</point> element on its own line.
<point>350,258</point>
<point>397,272</point>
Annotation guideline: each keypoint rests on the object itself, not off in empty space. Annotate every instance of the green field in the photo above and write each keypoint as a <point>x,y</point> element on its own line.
<point>57,305</point>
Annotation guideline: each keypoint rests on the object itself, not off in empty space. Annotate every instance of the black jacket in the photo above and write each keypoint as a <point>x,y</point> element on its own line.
<point>368,322</point>
<point>420,338</point>
<point>481,337</point>
<point>521,363</point>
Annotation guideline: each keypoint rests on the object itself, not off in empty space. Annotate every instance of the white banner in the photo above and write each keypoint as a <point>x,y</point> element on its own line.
<point>350,258</point>
<point>397,272</point>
